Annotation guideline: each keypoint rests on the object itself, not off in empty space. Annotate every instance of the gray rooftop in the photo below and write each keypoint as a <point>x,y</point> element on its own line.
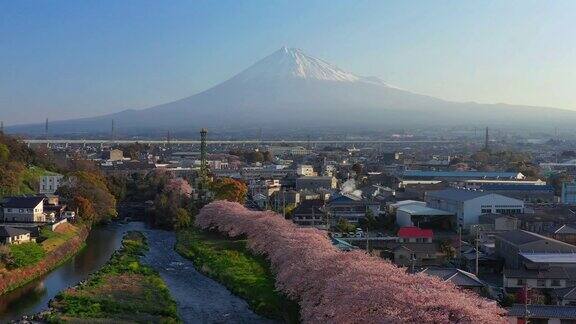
<point>419,210</point>
<point>543,311</point>
<point>456,276</point>
<point>521,237</point>
<point>456,194</point>
<point>23,202</point>
<point>8,231</point>
<point>550,257</point>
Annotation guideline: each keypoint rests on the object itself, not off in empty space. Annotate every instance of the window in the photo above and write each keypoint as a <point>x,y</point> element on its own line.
<point>555,283</point>
<point>520,282</point>
<point>541,283</point>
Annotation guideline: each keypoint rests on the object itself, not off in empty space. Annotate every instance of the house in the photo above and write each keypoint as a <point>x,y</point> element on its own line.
<point>393,207</point>
<point>468,205</point>
<point>350,208</point>
<point>551,314</point>
<point>565,233</point>
<point>415,235</point>
<point>498,222</point>
<point>416,255</point>
<point>525,192</point>
<point>454,176</point>
<point>13,235</point>
<point>305,170</point>
<point>547,278</point>
<point>460,278</point>
<point>23,209</point>
<point>549,259</point>
<point>425,217</point>
<point>564,297</point>
<point>313,183</point>
<point>50,183</point>
<point>310,213</point>
<point>510,244</point>
<point>114,155</point>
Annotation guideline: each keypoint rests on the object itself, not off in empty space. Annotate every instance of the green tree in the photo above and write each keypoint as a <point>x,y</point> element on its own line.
<point>92,187</point>
<point>369,222</point>
<point>345,226</point>
<point>4,153</point>
<point>229,189</point>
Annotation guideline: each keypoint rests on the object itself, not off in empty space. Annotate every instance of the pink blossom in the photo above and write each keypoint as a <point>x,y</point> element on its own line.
<point>332,286</point>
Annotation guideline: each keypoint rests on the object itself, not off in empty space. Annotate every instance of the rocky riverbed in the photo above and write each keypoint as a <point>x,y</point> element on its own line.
<point>200,299</point>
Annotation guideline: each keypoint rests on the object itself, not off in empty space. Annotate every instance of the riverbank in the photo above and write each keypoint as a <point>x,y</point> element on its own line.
<point>58,247</point>
<point>229,262</point>
<point>123,289</point>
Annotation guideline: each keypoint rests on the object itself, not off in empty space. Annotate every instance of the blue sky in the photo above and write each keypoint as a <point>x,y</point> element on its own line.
<point>66,59</point>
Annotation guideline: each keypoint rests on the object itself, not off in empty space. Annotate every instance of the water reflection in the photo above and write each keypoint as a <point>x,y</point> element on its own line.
<point>34,297</point>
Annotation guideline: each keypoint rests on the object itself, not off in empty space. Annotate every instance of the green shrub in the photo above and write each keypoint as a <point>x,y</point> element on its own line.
<point>26,254</point>
<point>229,262</point>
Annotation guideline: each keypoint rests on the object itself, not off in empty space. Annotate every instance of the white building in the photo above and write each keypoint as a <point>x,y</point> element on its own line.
<point>24,210</point>
<point>468,205</point>
<point>50,183</point>
<point>306,170</point>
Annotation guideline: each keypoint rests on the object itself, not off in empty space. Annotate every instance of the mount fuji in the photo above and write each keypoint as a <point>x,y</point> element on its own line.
<point>290,89</point>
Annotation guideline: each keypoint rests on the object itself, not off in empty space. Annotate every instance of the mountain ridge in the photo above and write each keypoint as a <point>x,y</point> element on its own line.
<point>290,88</point>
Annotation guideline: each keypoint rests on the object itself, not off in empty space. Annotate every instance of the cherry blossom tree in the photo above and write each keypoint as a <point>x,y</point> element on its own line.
<point>333,286</point>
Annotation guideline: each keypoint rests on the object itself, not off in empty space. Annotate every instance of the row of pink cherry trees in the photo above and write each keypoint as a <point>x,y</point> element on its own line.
<point>344,287</point>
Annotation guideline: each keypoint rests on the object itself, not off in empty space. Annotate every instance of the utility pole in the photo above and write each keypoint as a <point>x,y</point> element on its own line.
<point>459,246</point>
<point>203,164</point>
<point>477,252</point>
<point>2,127</point>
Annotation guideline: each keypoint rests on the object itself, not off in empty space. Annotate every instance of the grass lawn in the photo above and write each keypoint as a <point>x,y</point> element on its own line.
<point>123,290</point>
<point>247,275</point>
<point>53,239</point>
<point>26,254</point>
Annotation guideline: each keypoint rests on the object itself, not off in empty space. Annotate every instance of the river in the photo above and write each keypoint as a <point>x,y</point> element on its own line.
<point>200,299</point>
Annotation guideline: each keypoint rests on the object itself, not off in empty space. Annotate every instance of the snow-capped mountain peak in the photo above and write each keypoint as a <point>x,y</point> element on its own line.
<point>294,63</point>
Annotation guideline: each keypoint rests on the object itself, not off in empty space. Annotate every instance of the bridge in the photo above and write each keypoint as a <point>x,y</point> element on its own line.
<point>188,142</point>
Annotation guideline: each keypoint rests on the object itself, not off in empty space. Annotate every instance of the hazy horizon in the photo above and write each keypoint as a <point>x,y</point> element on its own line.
<point>67,59</point>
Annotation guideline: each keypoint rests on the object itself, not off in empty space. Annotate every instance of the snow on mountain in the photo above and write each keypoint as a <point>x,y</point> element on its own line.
<point>293,63</point>
<point>290,88</point>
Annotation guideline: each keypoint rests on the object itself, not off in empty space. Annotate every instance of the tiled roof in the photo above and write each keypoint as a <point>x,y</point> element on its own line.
<point>457,194</point>
<point>23,202</point>
<point>517,187</point>
<point>414,232</point>
<point>460,174</point>
<point>521,237</point>
<point>550,273</point>
<point>458,277</point>
<point>8,231</point>
<point>543,311</point>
